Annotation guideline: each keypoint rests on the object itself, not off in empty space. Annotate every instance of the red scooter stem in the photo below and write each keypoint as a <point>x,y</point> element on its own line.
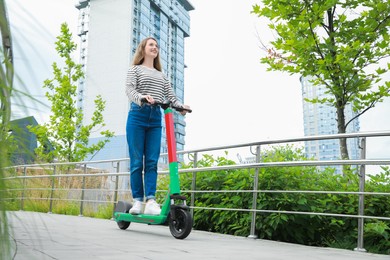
<point>171,140</point>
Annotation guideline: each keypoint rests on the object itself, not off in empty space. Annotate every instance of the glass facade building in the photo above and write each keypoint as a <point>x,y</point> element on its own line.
<point>321,119</point>
<point>110,31</point>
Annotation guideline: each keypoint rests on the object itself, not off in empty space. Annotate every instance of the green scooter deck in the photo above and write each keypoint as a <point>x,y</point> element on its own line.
<point>140,218</point>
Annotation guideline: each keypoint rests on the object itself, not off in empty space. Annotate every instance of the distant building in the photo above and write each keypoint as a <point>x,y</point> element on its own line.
<point>321,119</point>
<point>24,142</point>
<point>110,31</point>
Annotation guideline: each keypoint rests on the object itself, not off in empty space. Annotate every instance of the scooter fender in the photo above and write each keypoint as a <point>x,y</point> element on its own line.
<point>174,207</point>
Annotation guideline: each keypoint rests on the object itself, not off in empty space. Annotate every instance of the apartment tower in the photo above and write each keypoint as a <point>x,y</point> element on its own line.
<point>320,119</point>
<point>110,31</point>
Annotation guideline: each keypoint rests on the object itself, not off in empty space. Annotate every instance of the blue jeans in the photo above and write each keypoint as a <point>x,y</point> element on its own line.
<point>143,131</point>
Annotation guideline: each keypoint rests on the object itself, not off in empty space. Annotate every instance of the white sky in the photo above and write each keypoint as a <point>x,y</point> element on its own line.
<point>234,99</point>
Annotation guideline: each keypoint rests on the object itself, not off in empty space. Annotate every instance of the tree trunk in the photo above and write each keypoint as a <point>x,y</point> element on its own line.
<point>340,99</point>
<point>342,130</point>
<point>343,141</point>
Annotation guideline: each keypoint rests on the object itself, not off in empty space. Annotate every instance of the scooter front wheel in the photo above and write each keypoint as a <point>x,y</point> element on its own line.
<point>123,224</point>
<point>181,226</point>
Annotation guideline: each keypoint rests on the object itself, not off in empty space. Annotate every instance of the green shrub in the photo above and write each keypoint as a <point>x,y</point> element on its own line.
<point>304,229</point>
<point>377,237</point>
<point>105,211</point>
<point>67,208</point>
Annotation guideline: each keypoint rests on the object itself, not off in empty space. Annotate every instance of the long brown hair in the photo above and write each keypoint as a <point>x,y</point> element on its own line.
<point>140,54</point>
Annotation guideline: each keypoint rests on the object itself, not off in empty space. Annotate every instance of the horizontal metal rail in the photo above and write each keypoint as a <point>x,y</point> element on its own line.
<point>71,200</point>
<point>223,167</point>
<point>226,147</point>
<point>222,191</point>
<point>289,191</point>
<point>293,140</point>
<point>296,212</point>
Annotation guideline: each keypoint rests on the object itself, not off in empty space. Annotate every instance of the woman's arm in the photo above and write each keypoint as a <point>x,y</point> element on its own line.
<point>131,86</point>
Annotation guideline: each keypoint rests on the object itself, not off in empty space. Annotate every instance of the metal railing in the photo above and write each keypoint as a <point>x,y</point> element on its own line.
<point>117,193</point>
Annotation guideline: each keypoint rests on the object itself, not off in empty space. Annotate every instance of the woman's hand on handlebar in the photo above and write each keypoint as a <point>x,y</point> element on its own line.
<point>148,98</point>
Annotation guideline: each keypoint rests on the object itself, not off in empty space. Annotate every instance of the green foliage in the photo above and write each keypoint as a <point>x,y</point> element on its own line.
<point>64,137</point>
<point>67,208</point>
<point>105,211</point>
<point>377,237</point>
<point>294,228</point>
<point>12,193</point>
<point>37,206</point>
<point>6,85</point>
<point>4,236</point>
<point>336,44</point>
<point>218,180</point>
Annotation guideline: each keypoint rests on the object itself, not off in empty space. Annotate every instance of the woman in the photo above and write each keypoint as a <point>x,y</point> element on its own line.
<point>145,81</point>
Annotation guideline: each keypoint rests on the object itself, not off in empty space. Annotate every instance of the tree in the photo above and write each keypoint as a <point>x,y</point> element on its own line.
<point>64,138</point>
<point>339,44</point>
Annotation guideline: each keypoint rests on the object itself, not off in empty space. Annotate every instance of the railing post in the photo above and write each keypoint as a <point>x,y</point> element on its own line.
<point>116,186</point>
<point>193,184</point>
<point>362,180</point>
<point>254,200</point>
<point>23,187</point>
<point>82,192</point>
<point>52,190</point>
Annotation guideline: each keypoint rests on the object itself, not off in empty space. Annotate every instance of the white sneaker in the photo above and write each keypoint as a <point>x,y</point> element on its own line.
<point>152,208</point>
<point>137,208</point>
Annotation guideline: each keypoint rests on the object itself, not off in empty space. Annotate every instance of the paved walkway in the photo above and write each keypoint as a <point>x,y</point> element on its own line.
<point>49,236</point>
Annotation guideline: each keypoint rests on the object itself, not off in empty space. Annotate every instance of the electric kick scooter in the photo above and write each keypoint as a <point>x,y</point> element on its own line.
<point>176,215</point>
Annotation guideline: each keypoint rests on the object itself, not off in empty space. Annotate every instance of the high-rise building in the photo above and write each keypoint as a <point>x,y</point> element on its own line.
<point>321,119</point>
<point>110,31</point>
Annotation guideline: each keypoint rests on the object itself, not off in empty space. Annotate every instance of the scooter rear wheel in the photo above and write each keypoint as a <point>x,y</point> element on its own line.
<point>181,226</point>
<point>123,207</point>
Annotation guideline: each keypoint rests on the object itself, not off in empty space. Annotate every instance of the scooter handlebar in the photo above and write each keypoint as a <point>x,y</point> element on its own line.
<point>180,109</point>
<point>167,104</point>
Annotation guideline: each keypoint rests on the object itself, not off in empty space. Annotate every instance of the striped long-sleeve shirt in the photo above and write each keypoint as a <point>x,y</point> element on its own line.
<point>142,80</point>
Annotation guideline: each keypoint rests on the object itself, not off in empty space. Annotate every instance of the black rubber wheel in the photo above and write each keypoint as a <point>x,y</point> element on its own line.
<point>124,207</point>
<point>181,226</point>
<point>123,224</point>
